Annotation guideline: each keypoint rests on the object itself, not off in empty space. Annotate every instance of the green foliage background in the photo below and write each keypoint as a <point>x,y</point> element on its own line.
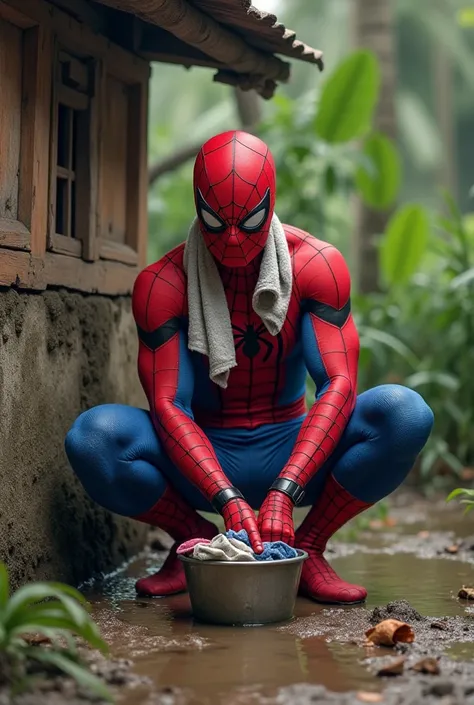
<point>419,329</point>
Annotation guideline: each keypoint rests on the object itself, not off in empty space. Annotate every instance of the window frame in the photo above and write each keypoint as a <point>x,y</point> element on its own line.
<point>26,260</point>
<point>85,105</point>
<point>130,251</point>
<point>24,233</point>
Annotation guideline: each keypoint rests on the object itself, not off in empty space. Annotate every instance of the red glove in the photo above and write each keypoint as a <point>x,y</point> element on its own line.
<point>237,515</point>
<point>275,520</point>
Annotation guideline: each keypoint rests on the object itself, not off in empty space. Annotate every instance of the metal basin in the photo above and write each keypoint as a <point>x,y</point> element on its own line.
<point>241,593</point>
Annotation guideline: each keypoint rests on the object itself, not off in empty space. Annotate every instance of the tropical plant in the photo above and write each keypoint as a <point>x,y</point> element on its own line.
<point>468,498</point>
<point>420,330</point>
<point>58,614</point>
<point>326,151</point>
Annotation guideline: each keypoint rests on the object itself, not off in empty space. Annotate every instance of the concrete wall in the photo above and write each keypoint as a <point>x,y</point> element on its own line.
<point>60,353</point>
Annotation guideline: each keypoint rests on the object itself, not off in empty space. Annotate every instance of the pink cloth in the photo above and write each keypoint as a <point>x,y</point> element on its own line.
<point>188,546</point>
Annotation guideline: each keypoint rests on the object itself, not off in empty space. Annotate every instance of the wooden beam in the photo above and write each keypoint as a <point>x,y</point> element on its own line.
<point>15,16</point>
<point>14,234</point>
<point>265,87</point>
<point>156,44</point>
<point>125,29</point>
<point>117,252</point>
<point>24,271</point>
<point>35,124</point>
<point>202,32</point>
<point>94,16</point>
<point>137,186</point>
<point>88,163</point>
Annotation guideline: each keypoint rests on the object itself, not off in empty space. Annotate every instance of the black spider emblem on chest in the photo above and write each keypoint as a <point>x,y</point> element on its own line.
<point>250,340</point>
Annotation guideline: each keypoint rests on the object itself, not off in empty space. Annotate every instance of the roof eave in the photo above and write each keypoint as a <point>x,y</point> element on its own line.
<point>202,40</point>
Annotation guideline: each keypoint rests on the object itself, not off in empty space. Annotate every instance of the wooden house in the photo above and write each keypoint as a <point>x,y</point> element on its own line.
<point>74,80</point>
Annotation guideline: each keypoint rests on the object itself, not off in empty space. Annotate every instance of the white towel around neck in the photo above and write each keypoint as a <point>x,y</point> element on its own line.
<point>210,328</point>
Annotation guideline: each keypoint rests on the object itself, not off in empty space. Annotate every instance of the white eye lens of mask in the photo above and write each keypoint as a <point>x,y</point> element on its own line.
<point>210,220</point>
<point>256,219</point>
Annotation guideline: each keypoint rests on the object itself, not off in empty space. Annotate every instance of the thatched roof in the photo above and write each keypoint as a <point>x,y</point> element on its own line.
<point>231,35</point>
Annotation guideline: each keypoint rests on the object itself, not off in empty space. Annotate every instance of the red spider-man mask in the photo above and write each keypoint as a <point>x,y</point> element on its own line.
<point>234,190</point>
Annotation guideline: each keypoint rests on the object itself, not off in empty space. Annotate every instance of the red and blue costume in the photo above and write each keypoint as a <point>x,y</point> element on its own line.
<point>252,445</point>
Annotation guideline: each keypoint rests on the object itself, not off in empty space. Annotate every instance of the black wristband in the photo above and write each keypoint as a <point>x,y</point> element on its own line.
<point>224,496</point>
<point>294,491</point>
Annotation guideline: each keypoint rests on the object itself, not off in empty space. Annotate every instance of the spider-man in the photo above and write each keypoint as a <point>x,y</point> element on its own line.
<point>252,445</point>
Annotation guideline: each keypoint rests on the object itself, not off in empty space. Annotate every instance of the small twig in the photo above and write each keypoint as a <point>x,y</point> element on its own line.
<point>172,162</point>
<point>248,105</point>
<point>176,159</point>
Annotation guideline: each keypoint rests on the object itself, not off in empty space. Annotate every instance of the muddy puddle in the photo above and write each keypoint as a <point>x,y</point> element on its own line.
<point>187,662</point>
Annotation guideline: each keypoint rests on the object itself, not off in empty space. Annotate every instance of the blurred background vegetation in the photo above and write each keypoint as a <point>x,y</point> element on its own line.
<point>375,155</point>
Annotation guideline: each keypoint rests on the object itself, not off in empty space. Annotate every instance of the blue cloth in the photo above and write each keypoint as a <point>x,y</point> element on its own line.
<point>272,550</point>
<point>121,463</point>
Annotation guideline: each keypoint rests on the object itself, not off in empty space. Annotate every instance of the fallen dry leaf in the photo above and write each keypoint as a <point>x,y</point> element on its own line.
<point>367,697</point>
<point>466,593</point>
<point>452,549</point>
<point>394,668</point>
<point>36,639</point>
<point>376,524</point>
<point>390,632</point>
<point>423,534</point>
<point>427,665</point>
<point>467,473</point>
<point>390,521</point>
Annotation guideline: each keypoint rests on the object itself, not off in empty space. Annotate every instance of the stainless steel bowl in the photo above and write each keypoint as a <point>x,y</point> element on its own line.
<point>256,592</point>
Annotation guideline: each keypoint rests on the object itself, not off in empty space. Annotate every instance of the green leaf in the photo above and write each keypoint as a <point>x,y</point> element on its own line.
<point>455,412</point>
<point>442,379</point>
<point>404,244</point>
<point>4,585</point>
<point>379,186</point>
<point>389,341</point>
<point>428,460</point>
<point>80,674</point>
<point>452,207</point>
<point>464,279</point>
<point>25,608</point>
<point>330,180</point>
<point>418,131</point>
<point>455,493</point>
<point>348,99</point>
<point>452,461</point>
<point>65,589</point>
<point>38,620</point>
<point>34,593</point>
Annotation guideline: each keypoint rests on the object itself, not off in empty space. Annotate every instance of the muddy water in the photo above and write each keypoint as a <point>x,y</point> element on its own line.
<point>430,585</point>
<point>211,664</point>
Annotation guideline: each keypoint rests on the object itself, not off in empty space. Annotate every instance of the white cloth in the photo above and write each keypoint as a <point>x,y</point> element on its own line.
<point>223,549</point>
<point>210,328</point>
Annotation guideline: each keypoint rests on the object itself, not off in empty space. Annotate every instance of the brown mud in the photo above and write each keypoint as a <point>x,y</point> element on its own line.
<point>162,657</point>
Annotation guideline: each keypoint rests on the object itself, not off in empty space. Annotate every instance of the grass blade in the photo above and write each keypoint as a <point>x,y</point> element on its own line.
<point>39,620</point>
<point>455,493</point>
<point>33,594</point>
<point>77,671</point>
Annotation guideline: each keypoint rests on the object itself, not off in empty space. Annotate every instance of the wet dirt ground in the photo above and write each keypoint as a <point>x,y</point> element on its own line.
<point>424,556</point>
